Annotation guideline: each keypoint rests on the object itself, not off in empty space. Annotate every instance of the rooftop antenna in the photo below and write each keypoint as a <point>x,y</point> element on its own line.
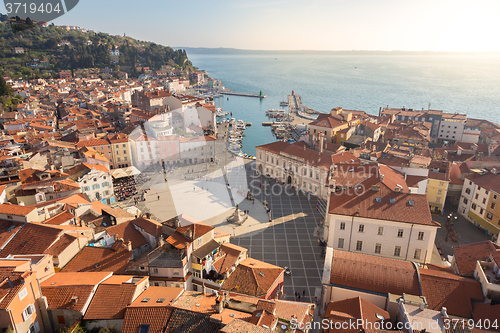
<point>429,106</point>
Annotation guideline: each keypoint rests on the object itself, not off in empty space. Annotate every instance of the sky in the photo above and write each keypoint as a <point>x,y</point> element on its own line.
<point>385,25</point>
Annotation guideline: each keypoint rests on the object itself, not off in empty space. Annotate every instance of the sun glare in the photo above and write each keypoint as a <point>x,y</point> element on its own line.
<point>470,30</point>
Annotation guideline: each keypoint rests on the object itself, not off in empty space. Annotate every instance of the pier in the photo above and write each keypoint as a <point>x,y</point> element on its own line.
<point>242,94</point>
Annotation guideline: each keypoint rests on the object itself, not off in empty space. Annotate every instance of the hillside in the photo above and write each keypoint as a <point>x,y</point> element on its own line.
<point>48,50</point>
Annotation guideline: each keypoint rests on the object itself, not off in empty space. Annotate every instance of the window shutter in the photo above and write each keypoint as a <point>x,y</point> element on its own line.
<point>37,327</point>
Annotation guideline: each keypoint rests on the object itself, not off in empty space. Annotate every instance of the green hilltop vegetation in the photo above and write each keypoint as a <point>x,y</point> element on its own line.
<point>87,50</point>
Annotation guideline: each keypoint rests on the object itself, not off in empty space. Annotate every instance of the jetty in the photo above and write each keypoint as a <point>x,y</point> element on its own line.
<point>243,94</point>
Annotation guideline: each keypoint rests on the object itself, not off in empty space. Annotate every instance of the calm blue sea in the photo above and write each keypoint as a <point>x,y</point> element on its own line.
<point>461,83</point>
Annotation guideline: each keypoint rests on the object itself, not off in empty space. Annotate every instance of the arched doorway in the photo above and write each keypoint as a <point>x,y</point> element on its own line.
<point>289,181</point>
<point>260,169</point>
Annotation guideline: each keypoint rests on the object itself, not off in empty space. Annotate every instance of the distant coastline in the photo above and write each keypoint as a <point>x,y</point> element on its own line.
<point>226,50</point>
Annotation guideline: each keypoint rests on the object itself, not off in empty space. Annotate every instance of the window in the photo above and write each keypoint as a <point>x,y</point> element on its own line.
<point>342,225</point>
<point>466,201</point>
<point>484,201</point>
<point>400,233</point>
<point>474,206</point>
<point>477,196</point>
<point>467,191</point>
<point>359,246</point>
<point>440,191</point>
<point>417,253</point>
<point>341,243</point>
<point>155,270</point>
<point>22,294</point>
<point>397,251</point>
<point>489,216</point>
<point>492,205</point>
<point>361,228</point>
<point>438,199</point>
<point>420,235</point>
<point>60,320</point>
<point>494,196</point>
<point>30,309</point>
<point>380,230</point>
<point>481,211</point>
<point>378,248</point>
<point>144,328</point>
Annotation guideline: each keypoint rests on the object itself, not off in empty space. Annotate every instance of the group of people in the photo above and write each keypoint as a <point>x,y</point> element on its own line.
<point>125,188</point>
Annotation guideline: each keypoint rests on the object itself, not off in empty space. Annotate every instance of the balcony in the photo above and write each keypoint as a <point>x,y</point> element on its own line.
<point>489,276</point>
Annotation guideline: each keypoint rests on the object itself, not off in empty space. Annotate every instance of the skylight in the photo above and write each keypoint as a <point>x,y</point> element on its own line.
<point>160,300</point>
<point>145,300</point>
<point>391,200</point>
<point>378,199</point>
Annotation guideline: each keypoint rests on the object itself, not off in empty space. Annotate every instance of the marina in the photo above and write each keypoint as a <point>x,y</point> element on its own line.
<point>244,94</point>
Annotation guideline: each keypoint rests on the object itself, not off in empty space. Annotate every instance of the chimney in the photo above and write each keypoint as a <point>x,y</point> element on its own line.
<point>304,148</point>
<point>129,246</point>
<point>74,300</point>
<point>444,312</point>
<point>161,241</point>
<point>381,176</point>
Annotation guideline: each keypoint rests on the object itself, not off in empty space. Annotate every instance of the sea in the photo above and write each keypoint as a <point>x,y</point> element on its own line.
<point>452,82</point>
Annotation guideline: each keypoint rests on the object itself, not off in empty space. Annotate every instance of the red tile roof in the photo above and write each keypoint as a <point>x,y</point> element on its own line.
<point>127,232</point>
<point>31,239</point>
<point>371,273</point>
<point>16,210</point>
<point>110,301</point>
<point>455,293</point>
<point>156,317</point>
<point>100,259</point>
<point>393,206</point>
<point>483,311</point>
<point>253,277</point>
<point>60,245</point>
<point>355,308</point>
<point>467,255</point>
<point>62,297</point>
<point>60,218</point>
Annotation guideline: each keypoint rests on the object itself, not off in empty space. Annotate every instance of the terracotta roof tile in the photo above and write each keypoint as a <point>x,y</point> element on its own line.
<point>127,232</point>
<point>60,218</point>
<point>60,245</point>
<point>100,259</point>
<point>31,239</point>
<point>377,274</point>
<point>152,227</point>
<point>355,308</point>
<point>241,326</point>
<point>153,294</point>
<point>110,301</point>
<point>363,202</point>
<point>155,317</point>
<point>456,293</point>
<point>16,209</point>
<point>187,321</point>
<point>467,255</point>
<point>196,301</point>
<point>253,277</point>
<point>484,311</point>
<point>62,297</point>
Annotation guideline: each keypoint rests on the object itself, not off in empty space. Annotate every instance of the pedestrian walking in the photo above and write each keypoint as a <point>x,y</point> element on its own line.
<point>194,188</point>
<point>304,293</point>
<point>253,201</point>
<point>158,198</point>
<point>299,296</point>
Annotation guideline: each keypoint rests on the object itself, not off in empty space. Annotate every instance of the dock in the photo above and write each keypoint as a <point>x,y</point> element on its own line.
<point>242,94</point>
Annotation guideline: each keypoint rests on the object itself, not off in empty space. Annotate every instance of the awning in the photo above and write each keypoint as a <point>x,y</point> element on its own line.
<point>125,172</point>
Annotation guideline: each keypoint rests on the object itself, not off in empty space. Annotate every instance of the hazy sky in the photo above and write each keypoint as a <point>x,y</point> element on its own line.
<point>416,25</point>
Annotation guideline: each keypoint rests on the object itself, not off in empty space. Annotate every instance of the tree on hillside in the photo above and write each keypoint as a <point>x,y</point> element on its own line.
<point>5,90</point>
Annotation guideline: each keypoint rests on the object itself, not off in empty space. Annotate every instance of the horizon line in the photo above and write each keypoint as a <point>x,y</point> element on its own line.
<point>309,50</point>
